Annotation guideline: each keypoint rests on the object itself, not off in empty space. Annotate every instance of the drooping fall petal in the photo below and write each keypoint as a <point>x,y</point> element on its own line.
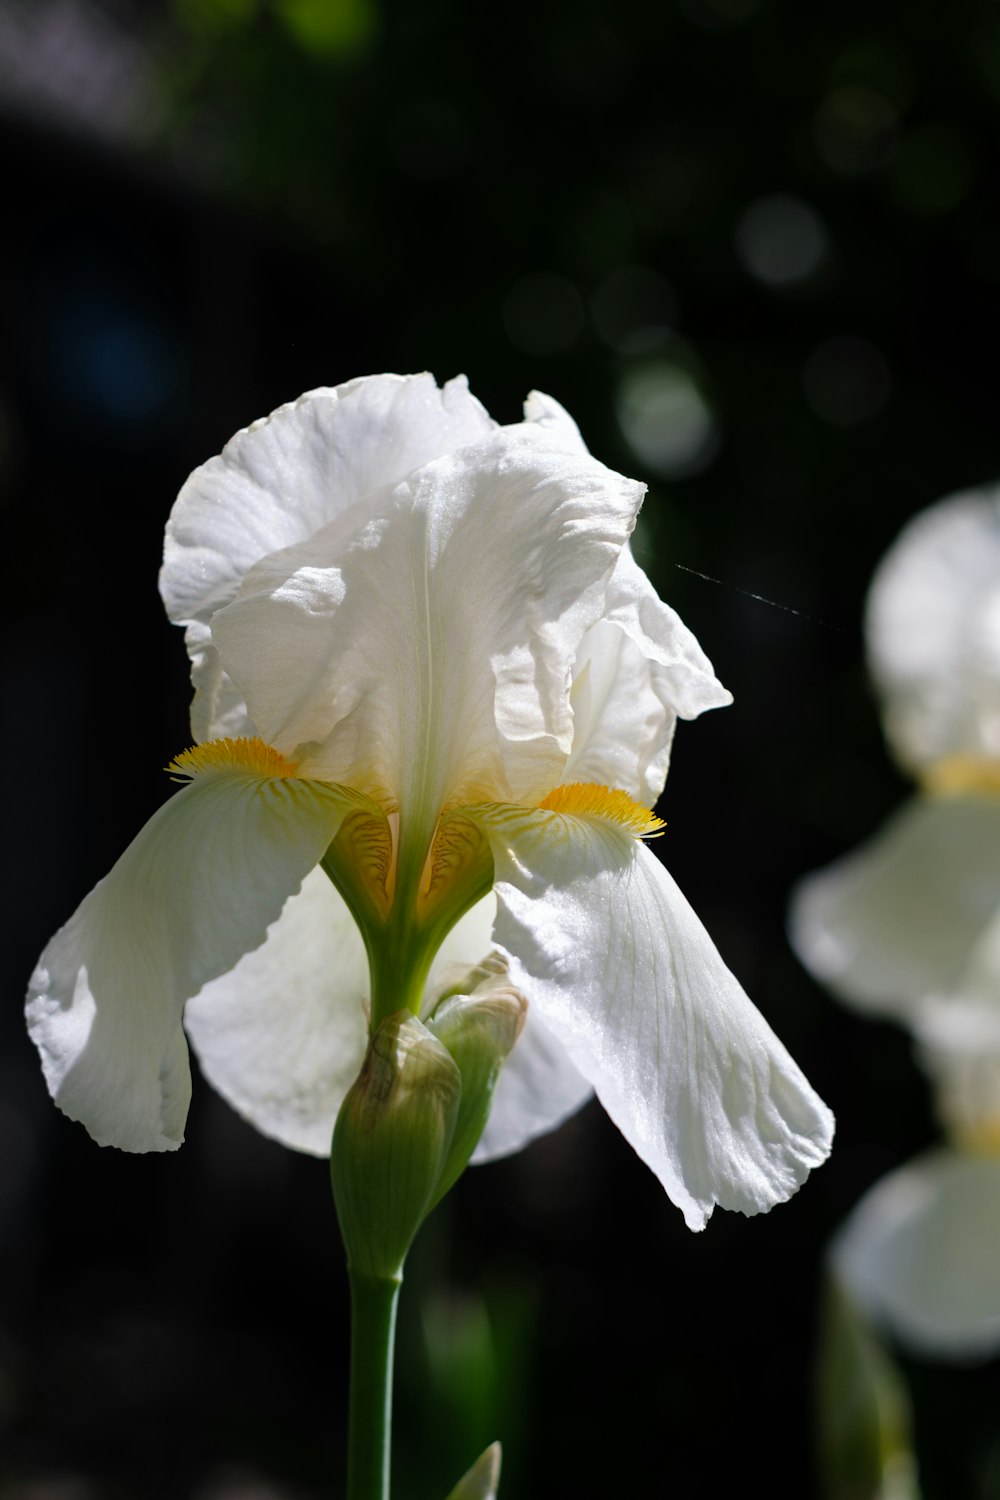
<point>895,920</point>
<point>600,939</point>
<point>919,1254</point>
<point>193,892</point>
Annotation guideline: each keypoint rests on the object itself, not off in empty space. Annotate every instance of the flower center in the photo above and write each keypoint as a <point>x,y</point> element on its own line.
<point>957,775</point>
<point>584,799</point>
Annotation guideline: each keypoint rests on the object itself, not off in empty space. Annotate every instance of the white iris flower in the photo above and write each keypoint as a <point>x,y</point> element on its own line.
<point>434,701</point>
<point>895,921</point>
<point>909,927</point>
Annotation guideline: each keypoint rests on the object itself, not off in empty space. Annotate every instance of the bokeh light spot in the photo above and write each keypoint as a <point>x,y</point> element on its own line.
<point>330,28</point>
<point>666,419</point>
<point>781,241</point>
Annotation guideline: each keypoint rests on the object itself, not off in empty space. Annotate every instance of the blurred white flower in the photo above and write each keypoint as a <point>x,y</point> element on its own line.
<point>895,921</point>
<point>425,659</point>
<point>909,927</point>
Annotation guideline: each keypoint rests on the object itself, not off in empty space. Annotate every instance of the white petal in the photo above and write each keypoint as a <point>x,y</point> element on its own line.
<point>933,629</point>
<point>282,1035</point>
<point>919,1254</point>
<point>623,717</point>
<point>636,670</point>
<point>193,892</point>
<point>217,710</point>
<point>282,479</point>
<point>539,1087</point>
<point>894,921</point>
<point>662,636</point>
<point>556,420</point>
<point>427,655</point>
<point>600,939</point>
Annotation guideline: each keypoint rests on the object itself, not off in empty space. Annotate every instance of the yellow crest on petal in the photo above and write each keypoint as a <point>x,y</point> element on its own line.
<point>585,800</point>
<point>253,756</point>
<point>955,775</point>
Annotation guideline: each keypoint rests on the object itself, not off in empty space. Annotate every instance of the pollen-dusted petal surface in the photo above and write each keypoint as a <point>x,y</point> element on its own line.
<point>919,1254</point>
<point>894,921</point>
<point>933,631</point>
<point>431,649</point>
<point>282,479</point>
<point>282,1035</point>
<point>601,941</point>
<point>192,893</point>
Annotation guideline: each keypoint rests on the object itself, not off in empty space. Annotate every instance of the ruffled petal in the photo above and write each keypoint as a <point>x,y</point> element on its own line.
<point>426,655</point>
<point>933,630</point>
<point>601,941</point>
<point>193,892</point>
<point>283,1034</point>
<point>894,921</point>
<point>556,420</point>
<point>919,1254</point>
<point>217,709</point>
<point>636,670</point>
<point>689,682</point>
<point>282,479</point>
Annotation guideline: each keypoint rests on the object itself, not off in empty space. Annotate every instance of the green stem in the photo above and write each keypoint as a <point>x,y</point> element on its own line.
<point>373,1332</point>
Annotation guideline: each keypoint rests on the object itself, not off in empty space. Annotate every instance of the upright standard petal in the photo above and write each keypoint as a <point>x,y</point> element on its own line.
<point>919,1254</point>
<point>933,630</point>
<point>600,939</point>
<point>425,655</point>
<point>282,479</point>
<point>894,921</point>
<point>194,891</point>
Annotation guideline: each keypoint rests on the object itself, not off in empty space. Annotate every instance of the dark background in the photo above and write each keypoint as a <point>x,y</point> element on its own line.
<point>213,206</point>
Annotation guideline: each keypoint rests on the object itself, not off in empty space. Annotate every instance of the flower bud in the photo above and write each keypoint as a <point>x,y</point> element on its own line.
<point>391,1143</point>
<point>479,1029</point>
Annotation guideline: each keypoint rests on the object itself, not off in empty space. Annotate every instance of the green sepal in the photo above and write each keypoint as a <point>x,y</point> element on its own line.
<point>482,1480</point>
<point>391,1143</point>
